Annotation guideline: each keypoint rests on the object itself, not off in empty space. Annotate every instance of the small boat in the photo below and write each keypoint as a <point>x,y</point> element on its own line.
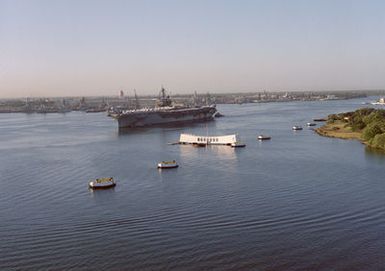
<point>263,137</point>
<point>168,164</point>
<point>321,119</point>
<point>237,145</point>
<point>102,183</point>
<point>311,124</point>
<point>297,128</point>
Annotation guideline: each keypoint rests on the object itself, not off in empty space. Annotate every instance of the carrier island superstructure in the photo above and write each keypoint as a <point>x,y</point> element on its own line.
<point>163,113</point>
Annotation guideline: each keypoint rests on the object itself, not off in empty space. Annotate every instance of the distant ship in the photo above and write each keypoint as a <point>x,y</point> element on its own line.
<point>163,113</point>
<point>381,101</point>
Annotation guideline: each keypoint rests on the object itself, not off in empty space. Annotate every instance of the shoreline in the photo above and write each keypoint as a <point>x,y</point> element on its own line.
<point>103,103</point>
<point>341,130</point>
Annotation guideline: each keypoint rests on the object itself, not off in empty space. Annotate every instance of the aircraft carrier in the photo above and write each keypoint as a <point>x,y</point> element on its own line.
<point>163,113</point>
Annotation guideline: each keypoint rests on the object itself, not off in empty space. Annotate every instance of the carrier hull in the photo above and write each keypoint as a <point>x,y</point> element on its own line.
<point>141,118</point>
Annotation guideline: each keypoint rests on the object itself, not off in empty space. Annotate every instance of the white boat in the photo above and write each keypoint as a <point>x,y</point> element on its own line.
<point>196,140</point>
<point>381,101</point>
<point>263,137</point>
<point>311,124</point>
<point>238,145</point>
<point>168,164</point>
<point>102,183</point>
<point>297,128</point>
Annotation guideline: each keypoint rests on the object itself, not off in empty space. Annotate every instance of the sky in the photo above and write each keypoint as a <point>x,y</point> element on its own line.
<point>99,47</point>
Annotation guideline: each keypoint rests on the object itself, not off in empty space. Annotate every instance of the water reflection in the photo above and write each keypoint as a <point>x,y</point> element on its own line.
<point>168,174</point>
<point>132,131</point>
<point>224,152</point>
<point>374,155</point>
<point>101,193</point>
<point>165,127</point>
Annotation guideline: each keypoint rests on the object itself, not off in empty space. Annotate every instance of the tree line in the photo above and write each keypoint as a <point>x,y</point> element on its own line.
<point>370,122</point>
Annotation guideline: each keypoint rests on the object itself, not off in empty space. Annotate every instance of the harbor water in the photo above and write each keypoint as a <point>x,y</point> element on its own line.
<point>296,202</point>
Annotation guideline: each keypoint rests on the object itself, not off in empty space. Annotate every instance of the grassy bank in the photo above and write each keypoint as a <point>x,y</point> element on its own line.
<point>366,125</point>
<point>338,130</point>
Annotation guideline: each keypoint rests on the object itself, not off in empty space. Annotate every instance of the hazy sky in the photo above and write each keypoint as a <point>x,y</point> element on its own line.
<point>90,47</point>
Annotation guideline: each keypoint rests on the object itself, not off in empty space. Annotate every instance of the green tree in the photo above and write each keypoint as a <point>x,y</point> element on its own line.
<point>364,111</point>
<point>371,131</point>
<point>379,141</point>
<point>381,124</point>
<point>332,118</point>
<point>375,116</point>
<point>357,123</point>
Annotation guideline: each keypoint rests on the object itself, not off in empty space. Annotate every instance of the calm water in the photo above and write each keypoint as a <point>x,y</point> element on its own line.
<point>297,202</point>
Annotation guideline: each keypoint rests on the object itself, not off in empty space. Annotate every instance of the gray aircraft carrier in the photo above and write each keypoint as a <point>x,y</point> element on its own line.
<point>163,113</point>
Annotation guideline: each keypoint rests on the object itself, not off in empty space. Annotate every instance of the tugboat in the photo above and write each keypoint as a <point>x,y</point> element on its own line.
<point>263,137</point>
<point>102,183</point>
<point>168,164</point>
<point>297,128</point>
